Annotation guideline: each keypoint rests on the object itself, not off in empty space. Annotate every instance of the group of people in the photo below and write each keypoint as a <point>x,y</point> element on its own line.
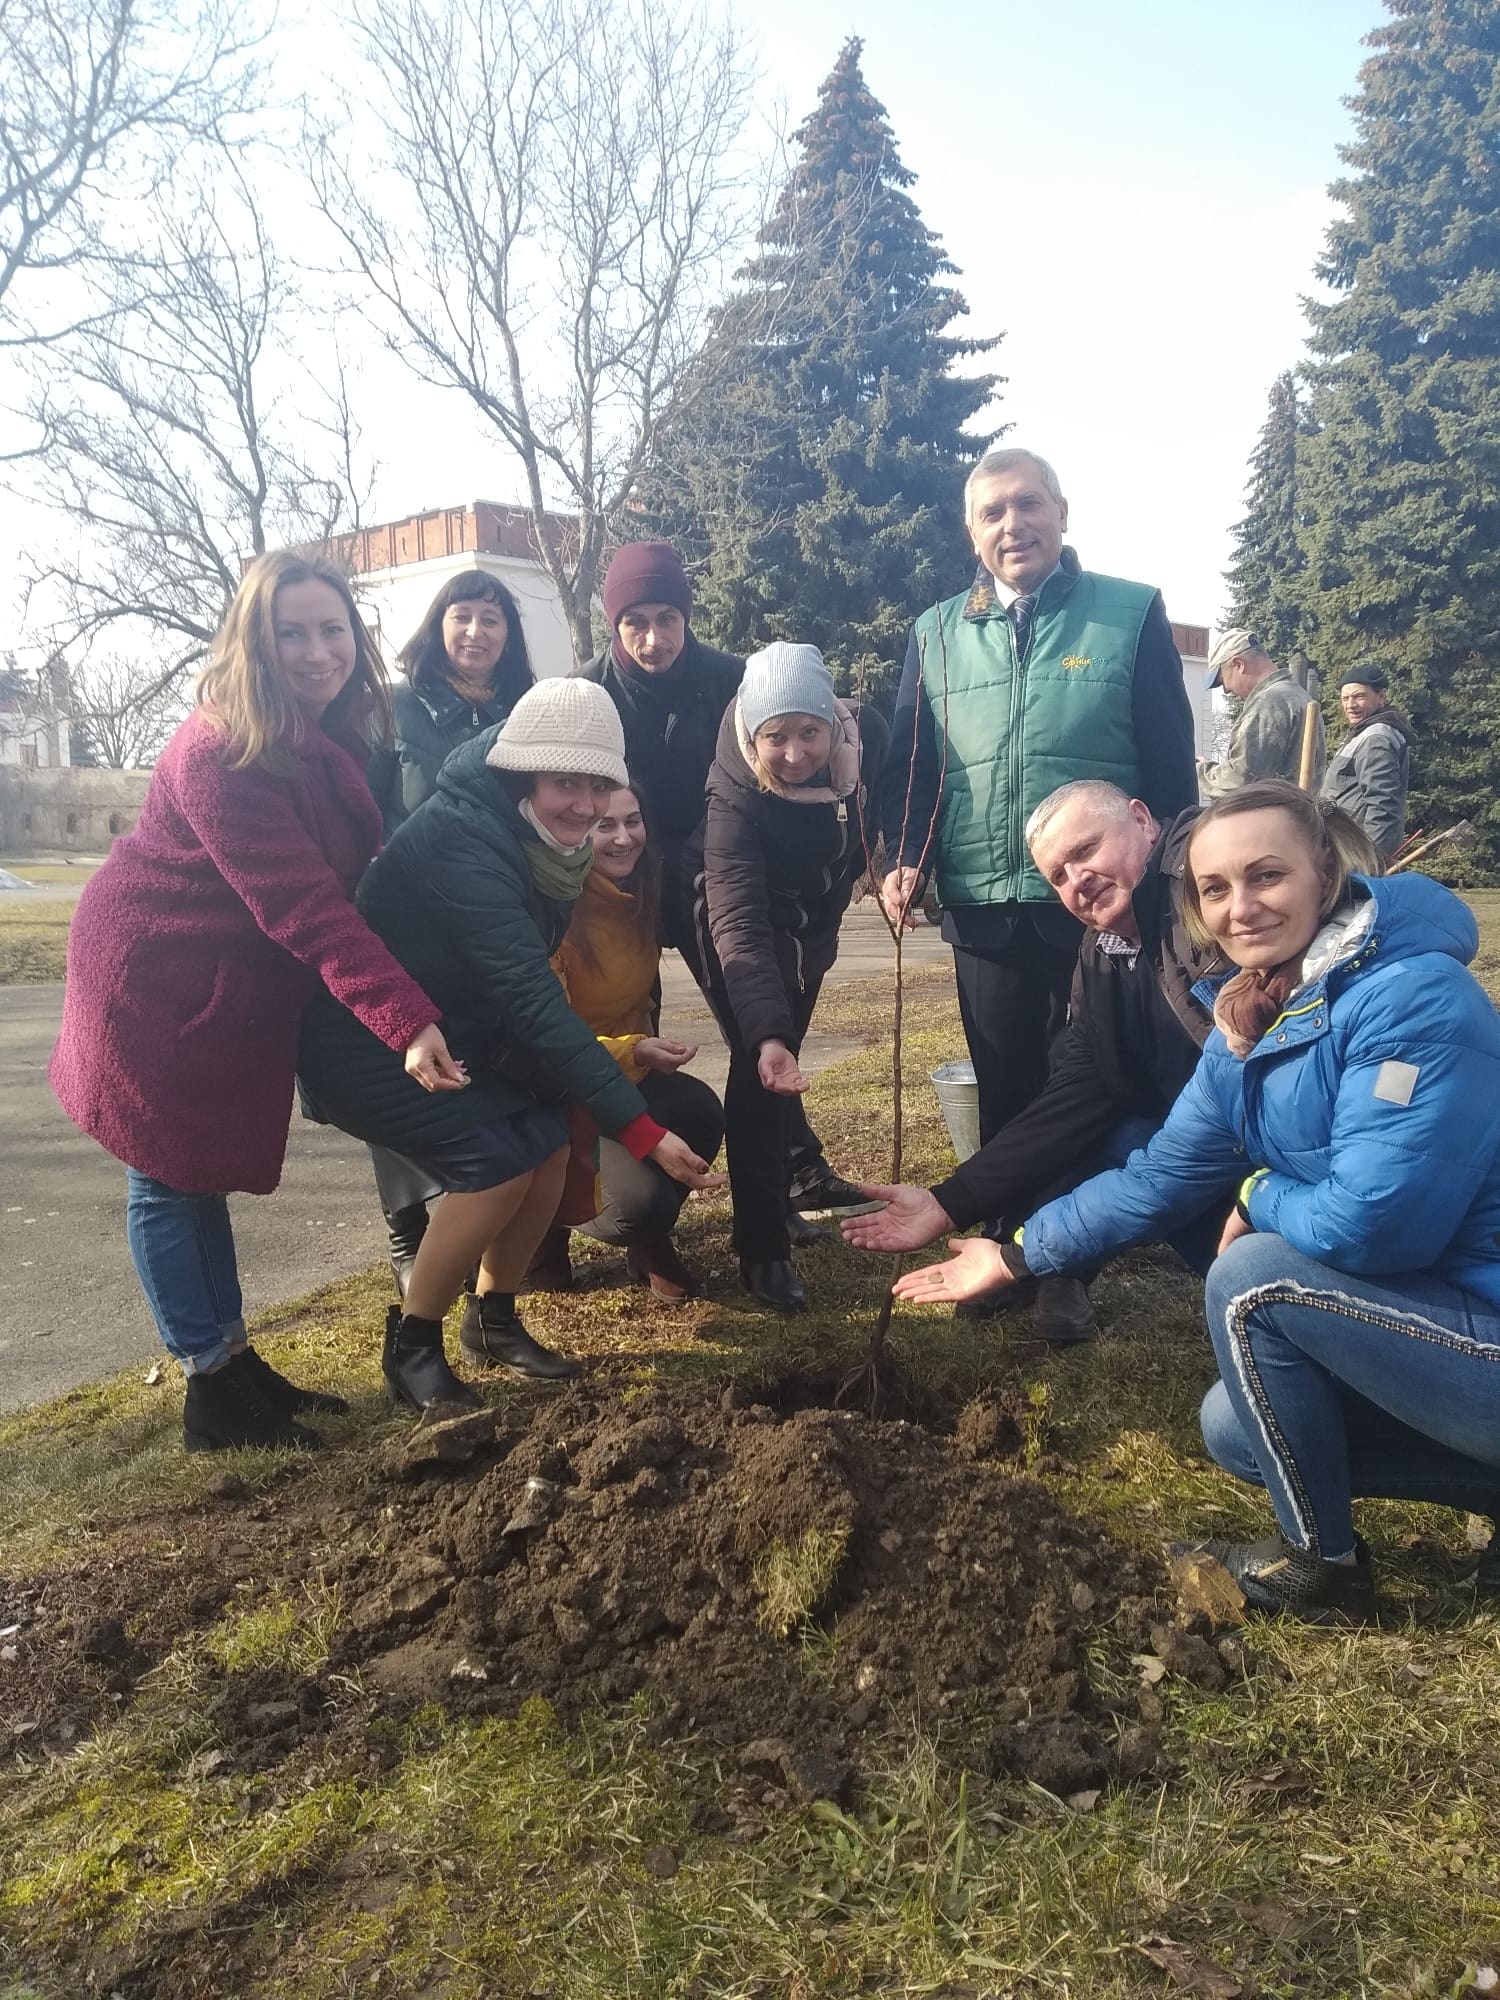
<point>1221,1025</point>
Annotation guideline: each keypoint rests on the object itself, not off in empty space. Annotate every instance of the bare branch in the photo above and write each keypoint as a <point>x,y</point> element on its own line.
<point>560,194</point>
<point>99,99</point>
<point>177,434</point>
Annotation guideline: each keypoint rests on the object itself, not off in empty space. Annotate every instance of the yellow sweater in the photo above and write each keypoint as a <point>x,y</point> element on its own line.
<point>610,985</point>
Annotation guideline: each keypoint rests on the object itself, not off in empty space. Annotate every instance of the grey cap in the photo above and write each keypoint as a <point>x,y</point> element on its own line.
<point>1238,639</point>
<point>785,679</point>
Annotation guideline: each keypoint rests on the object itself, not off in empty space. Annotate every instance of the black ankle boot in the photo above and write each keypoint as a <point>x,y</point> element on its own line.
<point>291,1396</point>
<point>230,1408</point>
<point>415,1367</point>
<point>551,1269</point>
<point>492,1332</point>
<point>775,1283</point>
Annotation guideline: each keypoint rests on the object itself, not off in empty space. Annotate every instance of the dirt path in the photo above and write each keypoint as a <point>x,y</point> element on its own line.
<point>70,1308</point>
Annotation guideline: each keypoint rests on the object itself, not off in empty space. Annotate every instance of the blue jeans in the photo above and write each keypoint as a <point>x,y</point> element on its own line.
<point>1333,1385</point>
<point>183,1251</point>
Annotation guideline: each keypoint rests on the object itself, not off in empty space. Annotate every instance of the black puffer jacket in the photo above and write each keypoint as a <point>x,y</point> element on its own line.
<point>1133,1039</point>
<point>671,723</point>
<point>454,895</point>
<point>770,879</point>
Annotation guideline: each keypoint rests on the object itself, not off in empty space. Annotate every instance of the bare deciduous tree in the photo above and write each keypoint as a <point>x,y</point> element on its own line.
<point>561,191</point>
<point>179,436</point>
<point>98,99</point>
<point>123,712</point>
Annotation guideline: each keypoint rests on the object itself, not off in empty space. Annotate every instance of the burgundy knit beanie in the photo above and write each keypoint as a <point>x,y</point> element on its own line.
<point>646,573</point>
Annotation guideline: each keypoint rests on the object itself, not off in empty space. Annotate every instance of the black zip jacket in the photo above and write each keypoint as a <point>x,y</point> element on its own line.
<point>671,723</point>
<point>1133,1039</point>
<point>773,883</point>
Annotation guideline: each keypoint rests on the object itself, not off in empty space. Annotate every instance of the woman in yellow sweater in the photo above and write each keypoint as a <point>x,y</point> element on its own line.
<point>608,964</point>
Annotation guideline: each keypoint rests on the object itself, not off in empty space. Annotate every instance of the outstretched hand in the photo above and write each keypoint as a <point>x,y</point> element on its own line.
<point>653,1053</point>
<point>428,1060</point>
<point>778,1071</point>
<point>976,1266</point>
<point>676,1157</point>
<point>911,1219</point>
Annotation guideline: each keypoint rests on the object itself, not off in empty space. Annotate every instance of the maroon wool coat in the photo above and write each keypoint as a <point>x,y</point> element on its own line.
<point>198,945</point>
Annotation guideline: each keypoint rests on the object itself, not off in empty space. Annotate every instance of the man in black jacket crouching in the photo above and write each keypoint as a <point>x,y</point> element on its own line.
<point>1132,1041</point>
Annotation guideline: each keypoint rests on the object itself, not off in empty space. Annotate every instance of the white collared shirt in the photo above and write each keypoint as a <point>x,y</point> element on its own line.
<point>1007,596</point>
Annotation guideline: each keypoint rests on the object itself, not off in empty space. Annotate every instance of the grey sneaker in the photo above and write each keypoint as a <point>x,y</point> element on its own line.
<point>1275,1577</point>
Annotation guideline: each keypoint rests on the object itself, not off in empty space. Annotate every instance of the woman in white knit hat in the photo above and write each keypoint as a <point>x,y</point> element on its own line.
<point>476,888</point>
<point>783,845</point>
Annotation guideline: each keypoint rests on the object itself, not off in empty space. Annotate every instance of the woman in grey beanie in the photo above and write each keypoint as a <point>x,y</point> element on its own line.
<point>783,845</point>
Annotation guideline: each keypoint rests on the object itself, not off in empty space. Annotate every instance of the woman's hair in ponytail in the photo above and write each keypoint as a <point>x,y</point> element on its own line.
<point>1337,843</point>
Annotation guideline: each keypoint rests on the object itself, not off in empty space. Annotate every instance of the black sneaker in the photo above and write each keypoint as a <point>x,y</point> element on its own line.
<point>818,1190</point>
<point>1003,1299</point>
<point>1064,1317</point>
<point>804,1234</point>
<point>290,1396</point>
<point>229,1409</point>
<point>1275,1577</point>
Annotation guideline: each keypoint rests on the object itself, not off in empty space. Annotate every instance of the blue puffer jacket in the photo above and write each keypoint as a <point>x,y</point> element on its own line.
<point>1371,1101</point>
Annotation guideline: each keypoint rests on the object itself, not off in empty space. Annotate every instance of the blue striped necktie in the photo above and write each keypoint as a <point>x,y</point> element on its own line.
<point>1022,611</point>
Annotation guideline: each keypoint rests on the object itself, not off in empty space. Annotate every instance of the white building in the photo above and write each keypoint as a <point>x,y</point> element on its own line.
<point>33,719</point>
<point>401,565</point>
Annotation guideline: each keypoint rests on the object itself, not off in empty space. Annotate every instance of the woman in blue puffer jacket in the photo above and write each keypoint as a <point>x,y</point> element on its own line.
<point>1350,1094</point>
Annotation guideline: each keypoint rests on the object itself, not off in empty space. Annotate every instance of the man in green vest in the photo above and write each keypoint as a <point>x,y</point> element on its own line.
<point>1040,674</point>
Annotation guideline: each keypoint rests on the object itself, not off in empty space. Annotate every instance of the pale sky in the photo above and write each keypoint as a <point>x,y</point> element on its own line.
<point>1135,194</point>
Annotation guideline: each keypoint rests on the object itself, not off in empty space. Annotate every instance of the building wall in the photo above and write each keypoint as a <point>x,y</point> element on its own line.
<point>68,810</point>
<point>395,601</point>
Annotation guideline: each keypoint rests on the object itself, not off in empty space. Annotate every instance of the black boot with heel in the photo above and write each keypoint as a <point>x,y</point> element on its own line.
<point>416,1369</point>
<point>493,1333</point>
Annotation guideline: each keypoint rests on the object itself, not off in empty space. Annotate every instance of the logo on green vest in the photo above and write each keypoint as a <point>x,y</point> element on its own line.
<point>1076,660</point>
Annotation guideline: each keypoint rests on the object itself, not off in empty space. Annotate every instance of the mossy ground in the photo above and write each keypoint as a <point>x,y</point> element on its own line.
<point>1330,1828</point>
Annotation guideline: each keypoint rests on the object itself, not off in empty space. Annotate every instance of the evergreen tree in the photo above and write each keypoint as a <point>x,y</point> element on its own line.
<point>1268,560</point>
<point>812,470</point>
<point>1401,474</point>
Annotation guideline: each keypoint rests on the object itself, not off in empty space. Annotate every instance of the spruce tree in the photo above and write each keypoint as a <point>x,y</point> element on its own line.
<point>1401,475</point>
<point>812,471</point>
<point>1268,561</point>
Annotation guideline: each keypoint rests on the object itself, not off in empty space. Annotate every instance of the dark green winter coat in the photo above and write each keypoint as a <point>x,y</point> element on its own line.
<point>428,722</point>
<point>453,895</point>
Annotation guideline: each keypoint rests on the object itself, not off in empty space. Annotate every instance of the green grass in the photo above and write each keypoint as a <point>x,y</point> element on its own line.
<point>33,940</point>
<point>1329,1828</point>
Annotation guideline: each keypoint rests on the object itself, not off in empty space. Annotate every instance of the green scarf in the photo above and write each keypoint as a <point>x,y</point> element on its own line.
<point>556,872</point>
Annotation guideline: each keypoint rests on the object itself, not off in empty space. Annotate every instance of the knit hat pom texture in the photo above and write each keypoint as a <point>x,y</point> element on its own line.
<point>785,679</point>
<point>563,725</point>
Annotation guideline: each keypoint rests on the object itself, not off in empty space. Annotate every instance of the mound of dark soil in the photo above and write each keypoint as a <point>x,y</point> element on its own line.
<point>781,1584</point>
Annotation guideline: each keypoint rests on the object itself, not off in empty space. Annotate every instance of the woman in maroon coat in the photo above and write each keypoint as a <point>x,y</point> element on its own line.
<point>195,950</point>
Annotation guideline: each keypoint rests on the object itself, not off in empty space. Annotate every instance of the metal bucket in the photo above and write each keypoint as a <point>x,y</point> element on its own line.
<point>958,1100</point>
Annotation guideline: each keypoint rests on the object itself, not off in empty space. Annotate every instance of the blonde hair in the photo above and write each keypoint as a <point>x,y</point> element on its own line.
<point>241,688</point>
<point>1337,843</point>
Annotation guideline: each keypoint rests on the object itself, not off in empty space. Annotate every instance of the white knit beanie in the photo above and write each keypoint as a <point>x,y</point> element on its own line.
<point>565,725</point>
<point>785,679</point>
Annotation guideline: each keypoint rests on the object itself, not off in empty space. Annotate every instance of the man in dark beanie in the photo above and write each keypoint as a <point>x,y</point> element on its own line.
<point>1367,775</point>
<point>671,692</point>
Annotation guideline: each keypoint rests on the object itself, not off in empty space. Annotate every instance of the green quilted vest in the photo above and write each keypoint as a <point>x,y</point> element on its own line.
<point>1016,730</point>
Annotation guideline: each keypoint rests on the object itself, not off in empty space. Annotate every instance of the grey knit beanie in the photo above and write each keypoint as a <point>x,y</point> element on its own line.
<point>783,679</point>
